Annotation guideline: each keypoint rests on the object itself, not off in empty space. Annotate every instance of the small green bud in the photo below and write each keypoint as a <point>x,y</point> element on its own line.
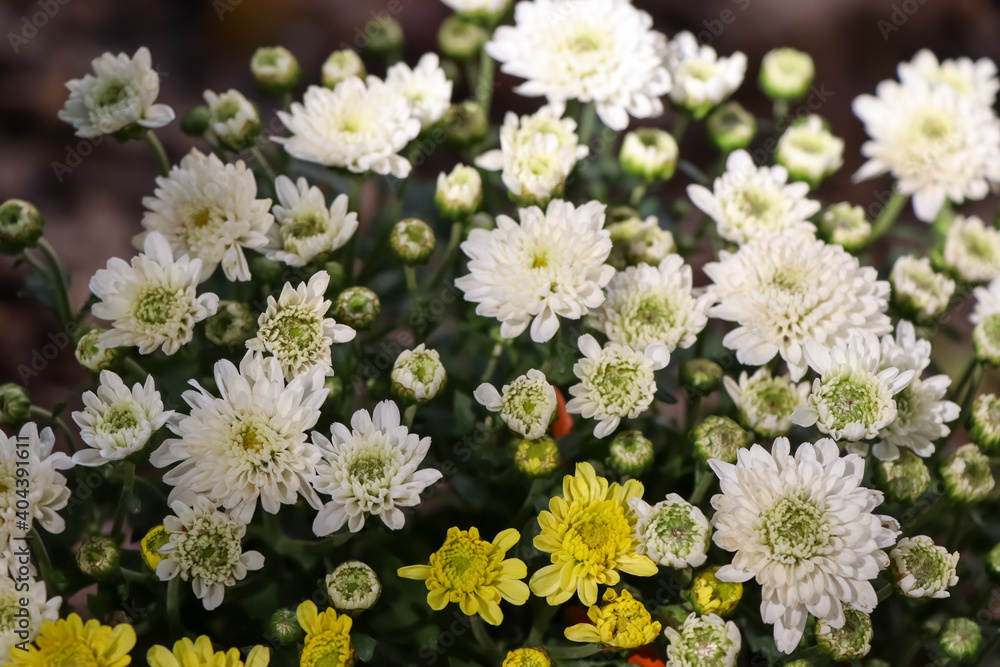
<point>265,270</point>
<point>921,569</point>
<point>702,375</point>
<point>234,119</point>
<point>719,438</point>
<point>731,127</point>
<point>903,480</point>
<point>649,153</point>
<point>630,453</point>
<point>986,340</point>
<point>385,35</point>
<point>98,557</point>
<point>809,151</point>
<point>20,226</point>
<point>92,355</point>
<point>846,226</point>
<point>967,475</point>
<point>961,638</point>
<point>993,562</point>
<point>335,385</point>
<point>537,458</point>
<point>985,427</point>
<point>342,65</point>
<point>461,39</point>
<point>283,627</point>
<point>418,375</point>
<point>412,241</point>
<point>15,404</point>
<point>465,123</point>
<point>275,70</point>
<point>918,291</point>
<point>851,642</point>
<point>231,325</point>
<point>637,241</point>
<point>353,587</point>
<point>459,193</point>
<point>196,121</point>
<point>357,307</point>
<point>786,74</point>
<point>709,595</point>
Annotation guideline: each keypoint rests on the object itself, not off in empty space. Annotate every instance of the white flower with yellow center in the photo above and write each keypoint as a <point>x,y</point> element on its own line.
<point>600,51</point>
<point>809,151</point>
<point>121,92</point>
<point>977,80</point>
<point>305,227</point>
<point>804,528</point>
<point>918,289</point>
<point>370,469</point>
<point>972,249</point>
<point>205,546</point>
<point>672,532</point>
<point>550,265</point>
<point>749,202</point>
<point>360,126</point>
<point>248,444</point>
<point>24,607</point>
<point>152,303</point>
<point>526,405</point>
<point>297,332</point>
<point>425,87</point>
<point>701,78</point>
<point>615,382</point>
<point>209,210</point>
<point>118,421</point>
<point>766,402</point>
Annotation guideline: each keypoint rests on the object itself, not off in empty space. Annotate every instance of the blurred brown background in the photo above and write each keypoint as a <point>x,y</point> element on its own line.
<point>94,209</point>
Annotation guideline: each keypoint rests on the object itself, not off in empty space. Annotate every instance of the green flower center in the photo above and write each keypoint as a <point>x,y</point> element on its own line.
<point>227,110</point>
<point>304,225</point>
<point>368,466</point>
<point>352,582</point>
<point>705,644</point>
<point>157,305</point>
<point>852,398</point>
<point>463,563</point>
<point>120,417</point>
<point>113,93</point>
<point>774,397</point>
<point>674,529</point>
<point>927,565</point>
<point>811,142</point>
<point>761,204</point>
<point>210,550</point>
<point>423,366</point>
<point>617,381</point>
<point>794,529</point>
<point>979,244</point>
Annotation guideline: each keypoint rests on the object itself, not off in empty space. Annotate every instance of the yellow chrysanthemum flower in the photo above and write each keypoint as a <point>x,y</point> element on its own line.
<point>527,657</point>
<point>590,533</point>
<point>472,572</point>
<point>69,642</point>
<point>328,637</point>
<point>622,623</point>
<point>199,653</point>
<point>711,596</point>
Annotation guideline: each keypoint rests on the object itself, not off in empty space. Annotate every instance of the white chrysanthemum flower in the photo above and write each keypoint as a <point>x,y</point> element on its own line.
<point>418,374</point>
<point>206,547</point>
<point>370,469</point>
<point>209,210</point>
<point>295,328</point>
<point>703,641</point>
<point>803,527</point>
<point>153,303</point>
<point>600,51</point>
<point>459,193</point>
<point>937,144</point>
<point>702,79</point>
<point>922,569</point>
<point>304,227</point>
<point>749,202</point>
<point>550,265</point>
<point>616,381</point>
<point>773,290</point>
<point>986,318</point>
<point>233,119</point>
<point>24,607</point>
<point>359,126</point>
<point>853,397</point>
<point>647,304</point>
<point>972,249</point>
<point>809,151</point>
<point>121,92</point>
<point>987,302</point>
<point>353,586</point>
<point>918,289</point>
<point>118,421</point>
<point>249,444</point>
<point>526,405</point>
<point>766,402</point>
<point>977,80</point>
<point>425,87</point>
<point>672,532</point>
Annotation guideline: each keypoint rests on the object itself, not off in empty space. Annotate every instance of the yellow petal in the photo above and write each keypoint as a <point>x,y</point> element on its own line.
<point>437,598</point>
<point>640,566</point>
<point>259,656</point>
<point>307,613</point>
<point>506,539</point>
<point>159,656</point>
<point>490,611</point>
<point>513,591</point>
<point>545,581</point>
<point>586,588</point>
<point>513,568</point>
<point>582,632</point>
<point>415,571</point>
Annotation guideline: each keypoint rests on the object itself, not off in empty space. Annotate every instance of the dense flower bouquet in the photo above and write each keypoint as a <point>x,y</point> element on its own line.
<point>316,438</point>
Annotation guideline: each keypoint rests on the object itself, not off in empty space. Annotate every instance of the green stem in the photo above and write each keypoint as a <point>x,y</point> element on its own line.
<point>541,622</point>
<point>956,389</point>
<point>571,652</point>
<point>884,592</point>
<point>484,639</point>
<point>450,252</point>
<point>701,487</point>
<point>691,415</point>
<point>681,122</point>
<point>957,527</point>
<point>128,470</point>
<point>136,368</point>
<point>264,164</point>
<point>44,414</point>
<point>588,120</point>
<point>989,649</point>
<point>491,365</point>
<point>159,152</point>
<point>888,215</point>
<point>357,186</point>
<point>413,287</point>
<point>411,412</point>
<point>638,192</point>
<point>174,607</point>
<point>59,286</point>
<point>780,112</point>
<point>41,555</point>
<point>484,86</point>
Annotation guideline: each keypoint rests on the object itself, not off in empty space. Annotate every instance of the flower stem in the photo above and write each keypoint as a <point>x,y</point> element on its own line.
<point>571,652</point>
<point>159,152</point>
<point>484,86</point>
<point>174,607</point>
<point>691,415</point>
<point>357,186</point>
<point>44,414</point>
<point>491,365</point>
<point>542,620</point>
<point>888,215</point>
<point>41,555</point>
<point>884,592</point>
<point>484,639</point>
<point>701,487</point>
<point>638,192</point>
<point>681,121</point>
<point>411,412</point>
<point>956,389</point>
<point>59,286</point>
<point>450,252</point>
<point>264,164</point>
<point>588,120</point>
<point>413,287</point>
<point>128,469</point>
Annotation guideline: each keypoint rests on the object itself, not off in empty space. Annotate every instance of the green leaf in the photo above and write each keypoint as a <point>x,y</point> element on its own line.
<point>464,415</point>
<point>364,646</point>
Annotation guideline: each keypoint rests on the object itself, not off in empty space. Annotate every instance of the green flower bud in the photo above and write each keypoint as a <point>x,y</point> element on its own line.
<point>537,458</point>
<point>461,39</point>
<point>150,546</point>
<point>649,153</point>
<point>275,70</point>
<point>196,121</point>
<point>708,595</point>
<point>418,374</point>
<point>98,557</point>
<point>630,453</point>
<point>671,615</point>
<point>20,226</point>
<point>993,561</point>
<point>465,123</point>
<point>967,475</point>
<point>985,427</point>
<point>459,193</point>
<point>903,480</point>
<point>385,35</point>
<point>412,241</point>
<point>637,241</point>
<point>846,226</point>
<point>353,586</point>
<point>918,291</point>
<point>341,65</point>
<point>921,569</point>
<point>231,325</point>
<point>283,628</point>
<point>851,642</point>
<point>986,340</point>
<point>786,74</point>
<point>799,663</point>
<point>357,307</point>
<point>92,356</point>
<point>809,151</point>
<point>961,638</point>
<point>719,438</point>
<point>265,270</point>
<point>233,119</point>
<point>15,404</point>
<point>702,375</point>
<point>731,127</point>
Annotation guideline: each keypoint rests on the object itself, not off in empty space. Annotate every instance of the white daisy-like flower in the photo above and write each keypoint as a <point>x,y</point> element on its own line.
<point>152,303</point>
<point>359,126</point>
<point>121,92</point>
<point>749,202</point>
<point>297,332</point>
<point>305,227</point>
<point>118,421</point>
<point>209,210</point>
<point>977,80</point>
<point>233,119</point>
<point>702,79</point>
<point>653,304</point>
<point>703,641</point>
<point>673,532</point>
<point>803,527</point>
<point>24,607</point>
<point>206,547</point>
<point>972,249</point>
<point>425,87</point>
<point>370,469</point>
<point>937,144</point>
<point>918,289</point>
<point>353,586</point>
<point>987,302</point>
<point>773,290</point>
<point>922,569</point>
<point>766,402</point>
<point>809,151</point>
<point>853,397</point>
<point>616,381</point>
<point>526,405</point>
<point>418,374</point>
<point>600,51</point>
<point>248,444</point>
<point>550,265</point>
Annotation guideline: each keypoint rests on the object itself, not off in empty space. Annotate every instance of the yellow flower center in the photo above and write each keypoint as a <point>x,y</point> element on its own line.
<point>596,532</point>
<point>463,564</point>
<point>327,649</point>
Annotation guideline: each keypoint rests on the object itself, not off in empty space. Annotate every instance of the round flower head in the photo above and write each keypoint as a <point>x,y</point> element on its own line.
<point>24,608</point>
<point>986,318</point>
<point>703,641</point>
<point>967,475</point>
<point>412,241</point>
<point>357,307</point>
<point>385,36</point>
<point>846,226</point>
<point>474,573</point>
<point>903,479</point>
<point>594,51</point>
<point>360,126</point>
<point>209,210</point>
<point>590,535</point>
<point>15,404</point>
<point>631,453</point>
<point>526,405</point>
<point>305,227</point>
<point>550,265</point>
<point>425,87</point>
<point>460,39</point>
<point>21,225</point>
<point>708,595</point>
<point>200,653</point>
<point>672,532</point>
<point>851,641</point>
<point>960,638</point>
<point>527,657</point>
<point>786,74</point>
<point>731,127</point>
<point>418,374</point>
<point>646,305</point>
<point>615,382</point>
<point>972,250</point>
<point>479,9</point>
<point>205,547</point>
<point>70,641</point>
<point>466,123</point>
<point>275,69</point>
<point>121,93</point>
<point>917,290</point>
<point>233,119</point>
<point>809,151</point>
<point>976,80</point>
<point>231,325</point>
<point>370,469</point>
<point>702,376</point>
<point>650,153</point>
<point>328,637</point>
<point>353,586</point>
<point>340,66</point>
<point>702,79</point>
<point>985,428</point>
<point>803,527</point>
<point>98,557</point>
<point>538,457</point>
<point>853,397</point>
<point>637,241</point>
<point>621,623</point>
<point>921,569</point>
<point>749,202</point>
<point>766,402</point>
<point>459,193</point>
<point>150,546</point>
<point>117,421</point>
<point>720,438</point>
<point>283,628</point>
<point>154,302</point>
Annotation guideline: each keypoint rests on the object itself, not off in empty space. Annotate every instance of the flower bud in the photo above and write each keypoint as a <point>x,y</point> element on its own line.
<point>418,374</point>
<point>459,193</point>
<point>703,641</point>
<point>703,375</point>
<point>385,36</point>
<point>967,475</point>
<point>461,39</point>
<point>809,151</point>
<point>922,569</point>
<point>671,615</point>
<point>731,127</point>
<point>465,123</point>
<point>538,457</point>
<point>283,627</point>
<point>636,241</point>
<point>851,642</point>
<point>15,404</point>
<point>630,453</point>
<point>649,153</point>
<point>353,586</point>
<point>265,270</point>
<point>341,65</point>
<point>527,657</point>
<point>357,307</point>
<point>196,121</point>
<point>231,325</point>
<point>151,544</point>
<point>233,119</point>
<point>993,562</point>
<point>846,226</point>
<point>918,291</point>
<point>719,438</point>
<point>98,557</point>
<point>710,596</point>
<point>799,663</point>
<point>903,480</point>
<point>92,355</point>
<point>960,638</point>
<point>275,70</point>
<point>673,532</point>
<point>412,241</point>
<point>20,226</point>
<point>786,74</point>
<point>985,418</point>
<point>986,340</point>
